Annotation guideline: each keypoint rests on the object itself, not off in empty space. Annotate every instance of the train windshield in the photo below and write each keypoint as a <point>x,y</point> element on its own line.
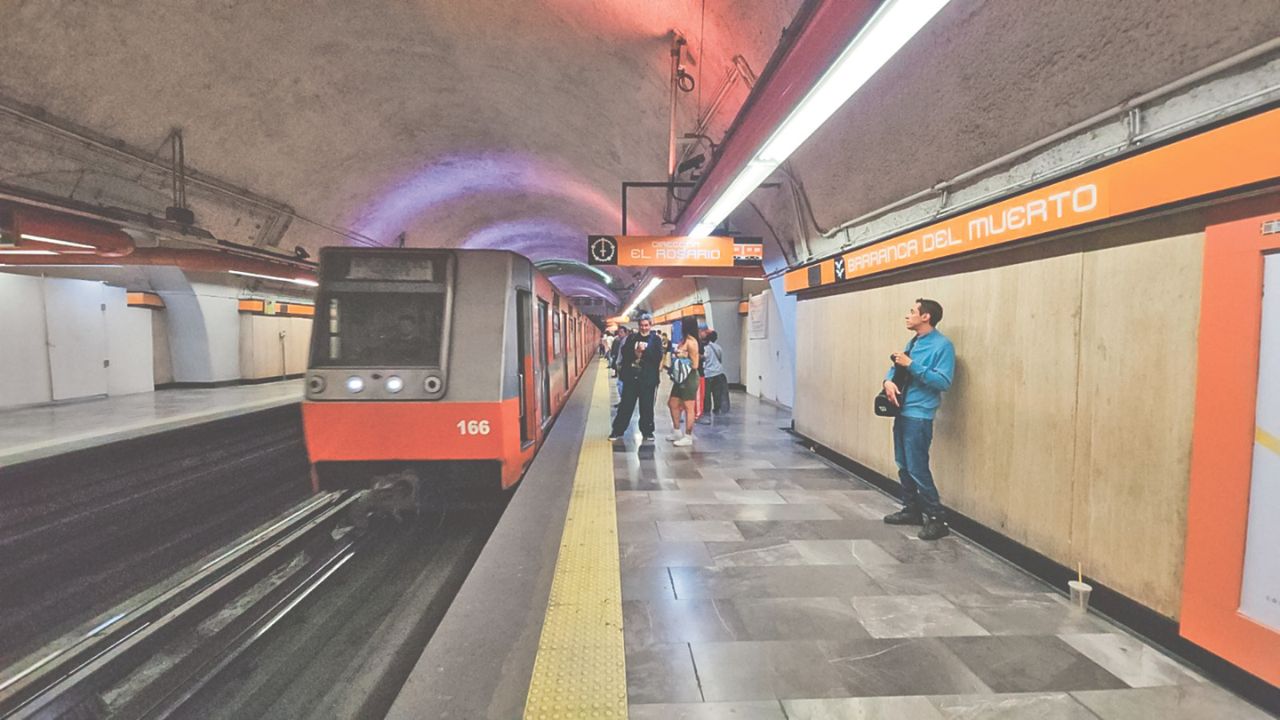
<point>381,329</point>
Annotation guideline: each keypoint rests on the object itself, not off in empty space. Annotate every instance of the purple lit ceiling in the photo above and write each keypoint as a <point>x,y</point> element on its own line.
<point>486,123</point>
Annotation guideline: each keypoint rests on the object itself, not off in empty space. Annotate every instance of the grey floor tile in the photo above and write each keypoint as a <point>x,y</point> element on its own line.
<point>913,666</point>
<point>823,618</point>
<point>662,674</point>
<point>757,710</point>
<point>765,670</point>
<point>1030,663</point>
<point>896,616</point>
<point>842,552</point>
<point>647,583</point>
<point>1040,706</point>
<point>799,483</point>
<point>1033,614</point>
<point>749,497</point>
<point>911,549</point>
<point>710,483</point>
<point>814,473</point>
<point>644,484</point>
<point>818,529</point>
<point>649,509</point>
<point>762,512</point>
<point>666,620</point>
<point>640,531</point>
<point>931,579</point>
<point>1131,660</point>
<point>845,496</point>
<point>764,551</point>
<point>663,554</point>
<point>868,708</point>
<point>1180,702</point>
<point>779,581</point>
<point>698,530</point>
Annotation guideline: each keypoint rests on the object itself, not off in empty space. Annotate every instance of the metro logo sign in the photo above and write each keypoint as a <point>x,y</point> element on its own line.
<point>674,251</point>
<point>1231,156</point>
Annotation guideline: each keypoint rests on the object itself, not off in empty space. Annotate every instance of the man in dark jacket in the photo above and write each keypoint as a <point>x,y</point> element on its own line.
<point>638,363</point>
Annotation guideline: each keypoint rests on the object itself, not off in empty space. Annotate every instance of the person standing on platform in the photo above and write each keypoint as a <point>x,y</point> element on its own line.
<point>614,351</point>
<point>684,388</point>
<point>717,394</point>
<point>638,362</point>
<point>930,364</point>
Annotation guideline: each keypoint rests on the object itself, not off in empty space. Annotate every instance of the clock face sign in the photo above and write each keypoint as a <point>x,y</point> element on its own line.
<point>602,249</point>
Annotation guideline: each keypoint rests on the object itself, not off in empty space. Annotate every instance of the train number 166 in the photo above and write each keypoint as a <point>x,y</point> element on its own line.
<point>473,427</point>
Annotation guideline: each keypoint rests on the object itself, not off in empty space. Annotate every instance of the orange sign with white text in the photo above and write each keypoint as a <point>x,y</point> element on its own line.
<point>657,251</point>
<point>1236,155</point>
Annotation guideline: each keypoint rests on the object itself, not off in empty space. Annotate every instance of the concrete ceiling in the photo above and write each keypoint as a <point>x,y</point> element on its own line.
<point>486,123</point>
<point>511,123</point>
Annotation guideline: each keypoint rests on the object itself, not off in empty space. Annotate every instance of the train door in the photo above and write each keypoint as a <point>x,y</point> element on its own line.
<point>524,357</point>
<point>565,324</point>
<point>544,360</point>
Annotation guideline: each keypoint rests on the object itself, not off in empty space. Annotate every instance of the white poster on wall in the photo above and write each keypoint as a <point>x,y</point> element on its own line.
<point>758,317</point>
<point>1260,590</point>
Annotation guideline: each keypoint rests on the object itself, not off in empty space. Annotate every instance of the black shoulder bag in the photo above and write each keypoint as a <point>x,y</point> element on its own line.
<point>902,378</point>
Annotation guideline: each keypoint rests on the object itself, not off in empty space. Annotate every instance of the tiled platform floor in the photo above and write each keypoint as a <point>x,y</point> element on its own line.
<point>31,433</point>
<point>759,583</point>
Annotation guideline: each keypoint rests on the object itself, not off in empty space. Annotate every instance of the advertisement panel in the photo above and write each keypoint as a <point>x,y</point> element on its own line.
<point>1260,589</point>
<point>758,317</point>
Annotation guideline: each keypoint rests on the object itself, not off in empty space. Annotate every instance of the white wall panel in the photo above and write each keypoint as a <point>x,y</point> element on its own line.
<point>131,368</point>
<point>24,357</point>
<point>76,323</point>
<point>770,359</point>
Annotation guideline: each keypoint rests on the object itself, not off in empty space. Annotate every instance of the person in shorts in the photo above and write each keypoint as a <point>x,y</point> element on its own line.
<point>684,394</point>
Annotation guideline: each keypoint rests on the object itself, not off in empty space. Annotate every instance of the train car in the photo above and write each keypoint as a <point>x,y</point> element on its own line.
<point>435,369</point>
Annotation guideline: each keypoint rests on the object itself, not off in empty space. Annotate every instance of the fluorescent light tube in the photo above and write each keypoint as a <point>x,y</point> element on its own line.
<point>52,241</point>
<point>295,281</point>
<point>648,289</point>
<point>896,22</point>
<point>28,252</point>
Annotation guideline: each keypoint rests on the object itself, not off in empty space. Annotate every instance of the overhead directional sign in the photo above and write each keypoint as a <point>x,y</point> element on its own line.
<point>674,251</point>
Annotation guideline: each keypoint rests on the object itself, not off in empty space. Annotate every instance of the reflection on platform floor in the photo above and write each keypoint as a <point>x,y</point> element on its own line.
<point>759,583</point>
<point>31,433</point>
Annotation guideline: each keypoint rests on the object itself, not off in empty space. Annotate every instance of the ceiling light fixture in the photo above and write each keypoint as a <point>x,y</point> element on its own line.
<point>52,241</point>
<point>892,25</point>
<point>295,281</point>
<point>653,284</point>
<point>28,252</point>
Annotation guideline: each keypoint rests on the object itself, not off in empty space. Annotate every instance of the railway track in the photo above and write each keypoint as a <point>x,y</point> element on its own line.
<point>147,660</point>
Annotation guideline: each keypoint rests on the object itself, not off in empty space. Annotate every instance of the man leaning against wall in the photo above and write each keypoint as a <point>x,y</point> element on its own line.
<point>929,362</point>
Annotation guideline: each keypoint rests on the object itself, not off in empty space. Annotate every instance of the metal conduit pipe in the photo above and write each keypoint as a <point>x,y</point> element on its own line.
<point>38,118</point>
<point>1253,53</point>
<point>45,230</point>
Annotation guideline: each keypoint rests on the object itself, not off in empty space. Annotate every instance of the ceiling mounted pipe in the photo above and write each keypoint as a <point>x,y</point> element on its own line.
<point>188,260</point>
<point>44,229</point>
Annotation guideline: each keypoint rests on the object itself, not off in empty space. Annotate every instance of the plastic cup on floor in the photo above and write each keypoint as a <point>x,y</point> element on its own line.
<point>1080,592</point>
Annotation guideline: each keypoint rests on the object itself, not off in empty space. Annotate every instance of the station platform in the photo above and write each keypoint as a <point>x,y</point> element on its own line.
<point>34,433</point>
<point>748,578</point>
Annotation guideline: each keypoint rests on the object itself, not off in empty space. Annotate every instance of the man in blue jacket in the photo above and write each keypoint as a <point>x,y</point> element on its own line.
<point>930,365</point>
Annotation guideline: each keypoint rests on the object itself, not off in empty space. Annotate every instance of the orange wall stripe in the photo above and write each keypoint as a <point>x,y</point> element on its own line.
<point>1236,155</point>
<point>252,306</point>
<point>144,299</point>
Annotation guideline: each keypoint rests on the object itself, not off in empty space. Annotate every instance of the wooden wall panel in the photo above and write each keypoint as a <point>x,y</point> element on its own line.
<point>1141,311</point>
<point>1014,444</point>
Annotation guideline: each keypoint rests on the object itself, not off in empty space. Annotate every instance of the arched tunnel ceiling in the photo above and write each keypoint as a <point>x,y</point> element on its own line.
<point>511,123</point>
<point>488,123</point>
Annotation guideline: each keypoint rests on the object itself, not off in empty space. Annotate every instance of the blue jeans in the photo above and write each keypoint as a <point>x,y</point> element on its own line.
<point>911,439</point>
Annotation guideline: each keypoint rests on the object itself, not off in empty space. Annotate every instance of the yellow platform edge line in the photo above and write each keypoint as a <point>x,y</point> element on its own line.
<point>1267,440</point>
<point>580,670</point>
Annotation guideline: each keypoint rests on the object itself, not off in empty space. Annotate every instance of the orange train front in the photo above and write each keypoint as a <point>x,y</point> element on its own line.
<point>435,369</point>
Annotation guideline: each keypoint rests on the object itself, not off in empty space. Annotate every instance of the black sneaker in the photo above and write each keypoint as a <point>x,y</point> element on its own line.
<point>934,529</point>
<point>905,516</point>
<point>614,438</point>
<point>648,438</point>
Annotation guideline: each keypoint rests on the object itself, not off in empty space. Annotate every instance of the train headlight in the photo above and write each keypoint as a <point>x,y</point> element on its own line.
<point>355,384</point>
<point>394,384</point>
<point>316,383</point>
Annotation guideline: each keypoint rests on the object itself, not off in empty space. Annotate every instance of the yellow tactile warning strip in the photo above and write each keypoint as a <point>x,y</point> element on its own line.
<point>580,671</point>
<point>1267,440</point>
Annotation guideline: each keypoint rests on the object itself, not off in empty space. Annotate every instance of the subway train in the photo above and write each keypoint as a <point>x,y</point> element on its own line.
<point>435,371</point>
